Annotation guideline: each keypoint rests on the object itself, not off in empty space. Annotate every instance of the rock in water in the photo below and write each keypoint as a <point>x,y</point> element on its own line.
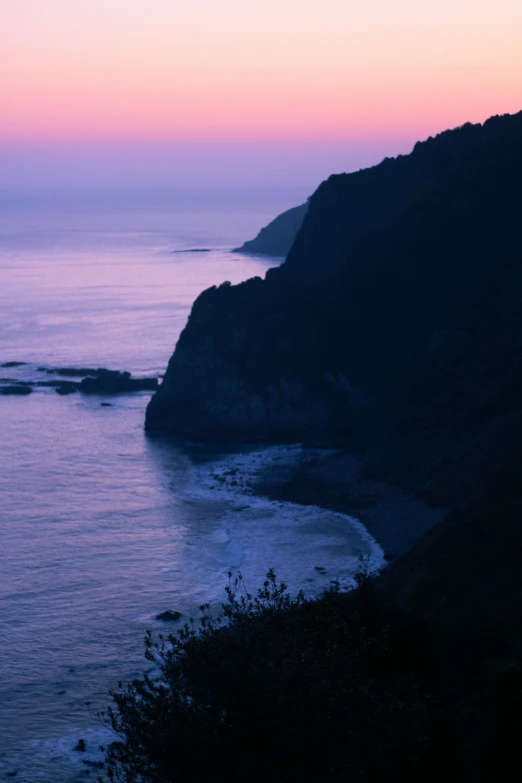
<point>19,390</point>
<point>115,382</point>
<point>169,616</point>
<point>99,381</point>
<point>66,387</point>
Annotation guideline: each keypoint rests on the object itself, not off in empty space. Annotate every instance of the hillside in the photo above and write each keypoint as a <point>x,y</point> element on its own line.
<point>393,326</point>
<point>394,329</point>
<point>278,236</point>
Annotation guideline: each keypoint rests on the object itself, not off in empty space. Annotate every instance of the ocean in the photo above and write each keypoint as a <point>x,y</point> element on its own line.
<point>102,527</point>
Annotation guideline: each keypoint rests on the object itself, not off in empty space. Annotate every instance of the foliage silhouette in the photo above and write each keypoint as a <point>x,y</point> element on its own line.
<point>336,688</point>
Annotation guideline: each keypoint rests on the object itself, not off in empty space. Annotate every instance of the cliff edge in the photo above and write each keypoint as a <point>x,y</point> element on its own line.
<point>394,326</point>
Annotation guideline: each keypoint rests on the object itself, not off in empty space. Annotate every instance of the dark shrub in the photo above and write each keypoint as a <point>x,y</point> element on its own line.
<point>286,689</point>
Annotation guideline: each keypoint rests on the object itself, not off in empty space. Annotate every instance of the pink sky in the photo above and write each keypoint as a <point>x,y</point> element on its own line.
<point>353,74</point>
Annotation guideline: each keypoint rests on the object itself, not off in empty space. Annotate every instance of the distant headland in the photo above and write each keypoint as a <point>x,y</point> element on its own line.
<point>278,236</point>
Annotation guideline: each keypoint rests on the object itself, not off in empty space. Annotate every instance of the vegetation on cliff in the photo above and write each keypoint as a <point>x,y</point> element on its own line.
<point>280,688</point>
<point>346,687</point>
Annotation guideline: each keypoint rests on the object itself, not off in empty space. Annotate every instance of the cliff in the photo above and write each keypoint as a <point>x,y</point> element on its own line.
<point>277,238</point>
<point>394,326</point>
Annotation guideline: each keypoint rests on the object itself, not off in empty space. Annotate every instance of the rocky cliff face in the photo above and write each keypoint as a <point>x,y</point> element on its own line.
<point>215,386</point>
<point>394,325</point>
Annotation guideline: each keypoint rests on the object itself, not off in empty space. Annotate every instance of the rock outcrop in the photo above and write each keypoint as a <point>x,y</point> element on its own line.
<point>18,390</point>
<point>169,616</point>
<point>277,238</point>
<point>394,325</point>
<point>93,381</point>
<point>115,382</point>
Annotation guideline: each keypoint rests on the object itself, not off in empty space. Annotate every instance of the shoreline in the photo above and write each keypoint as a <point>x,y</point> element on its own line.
<point>396,519</point>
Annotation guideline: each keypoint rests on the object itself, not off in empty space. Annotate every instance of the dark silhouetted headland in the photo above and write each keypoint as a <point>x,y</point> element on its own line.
<point>394,321</point>
<point>277,238</point>
<point>393,330</point>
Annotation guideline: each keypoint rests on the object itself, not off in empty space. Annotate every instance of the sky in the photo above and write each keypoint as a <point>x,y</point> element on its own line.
<point>151,91</point>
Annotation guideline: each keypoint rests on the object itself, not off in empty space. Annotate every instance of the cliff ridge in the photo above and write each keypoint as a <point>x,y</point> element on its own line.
<point>393,327</point>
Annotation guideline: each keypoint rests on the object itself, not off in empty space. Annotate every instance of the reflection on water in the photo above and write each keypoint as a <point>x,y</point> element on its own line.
<point>101,528</point>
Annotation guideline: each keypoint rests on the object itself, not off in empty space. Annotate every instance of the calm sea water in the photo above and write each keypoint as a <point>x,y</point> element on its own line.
<point>101,528</point>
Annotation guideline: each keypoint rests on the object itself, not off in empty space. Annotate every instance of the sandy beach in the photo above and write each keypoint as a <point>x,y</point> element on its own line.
<point>334,480</point>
